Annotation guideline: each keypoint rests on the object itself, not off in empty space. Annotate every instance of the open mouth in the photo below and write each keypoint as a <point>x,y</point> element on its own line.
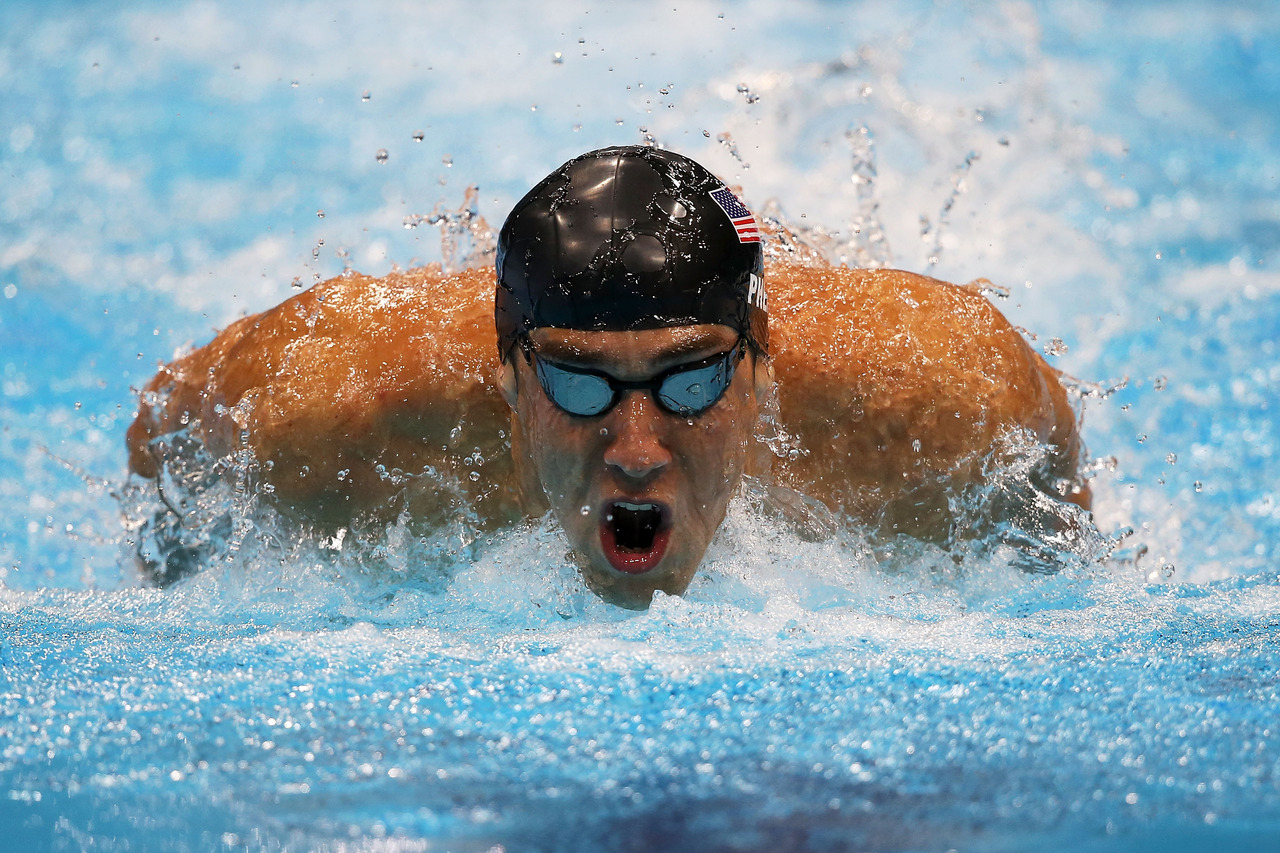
<point>634,535</point>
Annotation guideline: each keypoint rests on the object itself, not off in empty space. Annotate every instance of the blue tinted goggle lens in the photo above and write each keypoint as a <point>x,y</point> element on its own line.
<point>687,389</point>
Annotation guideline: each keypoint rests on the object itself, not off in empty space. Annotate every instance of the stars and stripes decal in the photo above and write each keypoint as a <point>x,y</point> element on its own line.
<point>742,220</point>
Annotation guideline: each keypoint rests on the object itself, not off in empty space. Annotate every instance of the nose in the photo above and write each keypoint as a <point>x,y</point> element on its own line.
<point>636,448</point>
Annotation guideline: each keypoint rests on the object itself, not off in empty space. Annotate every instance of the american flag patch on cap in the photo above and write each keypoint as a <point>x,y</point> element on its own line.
<point>738,214</point>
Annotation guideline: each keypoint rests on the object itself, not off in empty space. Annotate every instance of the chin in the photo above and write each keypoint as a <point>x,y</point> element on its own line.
<point>632,591</point>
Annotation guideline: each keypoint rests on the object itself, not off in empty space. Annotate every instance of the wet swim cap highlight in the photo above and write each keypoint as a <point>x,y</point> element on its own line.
<point>629,238</point>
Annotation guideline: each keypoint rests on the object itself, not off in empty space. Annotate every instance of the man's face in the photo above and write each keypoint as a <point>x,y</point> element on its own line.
<point>640,491</point>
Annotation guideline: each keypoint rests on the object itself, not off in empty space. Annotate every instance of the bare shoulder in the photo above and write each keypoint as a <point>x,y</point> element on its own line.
<point>891,380</point>
<point>338,385</point>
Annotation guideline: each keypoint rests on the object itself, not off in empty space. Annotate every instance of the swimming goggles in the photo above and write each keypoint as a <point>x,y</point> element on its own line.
<point>684,390</point>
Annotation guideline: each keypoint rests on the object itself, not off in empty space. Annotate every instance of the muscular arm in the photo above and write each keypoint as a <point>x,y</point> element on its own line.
<point>360,376</point>
<point>336,388</point>
<point>899,387</point>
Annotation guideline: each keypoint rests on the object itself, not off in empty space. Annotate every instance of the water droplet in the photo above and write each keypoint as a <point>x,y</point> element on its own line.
<point>296,284</point>
<point>293,84</point>
<point>586,510</point>
<point>1142,437</point>
<point>10,290</point>
<point>1004,140</point>
<point>455,433</point>
<point>1160,383</point>
<point>381,155</point>
<point>557,58</point>
<point>1199,486</point>
<point>618,122</point>
<point>1056,346</point>
<point>707,134</point>
<point>582,41</point>
<point>319,214</point>
<point>577,127</point>
<point>418,136</point>
<point>447,160</point>
<point>365,96</point>
<point>915,446</point>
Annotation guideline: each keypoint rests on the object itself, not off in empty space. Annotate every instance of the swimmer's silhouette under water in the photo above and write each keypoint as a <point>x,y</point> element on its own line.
<point>635,350</point>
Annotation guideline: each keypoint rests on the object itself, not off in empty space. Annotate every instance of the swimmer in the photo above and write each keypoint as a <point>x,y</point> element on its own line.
<point>639,337</point>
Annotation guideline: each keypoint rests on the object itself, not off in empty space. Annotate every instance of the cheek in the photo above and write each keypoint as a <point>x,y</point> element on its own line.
<point>716,453</point>
<point>559,450</point>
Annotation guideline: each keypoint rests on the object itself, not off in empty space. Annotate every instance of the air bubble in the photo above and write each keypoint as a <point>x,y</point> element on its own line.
<point>915,446</point>
<point>381,155</point>
<point>474,476</point>
<point>586,510</point>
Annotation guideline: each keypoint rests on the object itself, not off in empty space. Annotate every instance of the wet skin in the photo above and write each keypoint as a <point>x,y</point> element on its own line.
<point>895,388</point>
<point>637,453</point>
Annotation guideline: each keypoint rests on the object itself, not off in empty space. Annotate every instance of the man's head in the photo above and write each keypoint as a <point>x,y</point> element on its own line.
<point>631,318</point>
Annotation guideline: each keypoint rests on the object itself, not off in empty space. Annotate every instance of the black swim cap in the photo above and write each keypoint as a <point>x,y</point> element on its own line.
<point>630,238</point>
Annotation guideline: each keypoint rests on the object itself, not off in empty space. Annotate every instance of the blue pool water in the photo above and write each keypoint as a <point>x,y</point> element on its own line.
<point>164,170</point>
